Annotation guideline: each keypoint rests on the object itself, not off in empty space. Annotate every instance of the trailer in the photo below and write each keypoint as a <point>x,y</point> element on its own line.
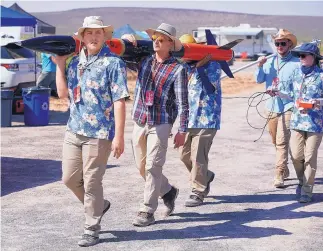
<point>256,41</point>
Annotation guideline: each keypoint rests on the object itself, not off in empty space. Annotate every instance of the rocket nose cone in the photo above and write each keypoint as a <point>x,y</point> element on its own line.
<point>59,45</point>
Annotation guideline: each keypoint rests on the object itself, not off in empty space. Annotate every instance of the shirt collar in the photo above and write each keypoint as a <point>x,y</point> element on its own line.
<point>169,60</point>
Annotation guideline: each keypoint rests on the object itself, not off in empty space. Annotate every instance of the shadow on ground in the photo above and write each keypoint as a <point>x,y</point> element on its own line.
<point>235,225</point>
<point>18,174</point>
<point>55,118</point>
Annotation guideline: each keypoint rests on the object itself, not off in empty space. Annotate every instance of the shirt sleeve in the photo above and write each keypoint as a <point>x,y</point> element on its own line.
<point>118,78</point>
<point>214,73</point>
<point>181,92</point>
<point>260,75</point>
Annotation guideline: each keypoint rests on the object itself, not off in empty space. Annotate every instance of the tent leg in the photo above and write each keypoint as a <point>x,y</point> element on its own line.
<point>35,58</point>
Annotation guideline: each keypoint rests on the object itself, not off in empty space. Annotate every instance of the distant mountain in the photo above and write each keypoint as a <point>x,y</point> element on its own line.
<point>67,22</point>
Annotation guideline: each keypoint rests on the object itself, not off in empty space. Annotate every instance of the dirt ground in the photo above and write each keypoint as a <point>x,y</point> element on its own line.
<point>243,212</point>
<point>241,82</point>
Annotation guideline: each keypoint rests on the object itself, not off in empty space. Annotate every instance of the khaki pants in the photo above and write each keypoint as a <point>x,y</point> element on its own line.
<point>304,147</point>
<point>150,148</point>
<point>194,155</point>
<point>280,134</point>
<point>84,163</point>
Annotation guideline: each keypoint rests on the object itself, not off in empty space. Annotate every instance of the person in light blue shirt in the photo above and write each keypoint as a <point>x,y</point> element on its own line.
<point>306,123</point>
<point>276,72</point>
<point>205,100</point>
<point>47,78</point>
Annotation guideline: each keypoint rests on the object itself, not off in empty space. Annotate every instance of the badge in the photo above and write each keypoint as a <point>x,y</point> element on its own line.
<point>81,72</point>
<point>77,94</point>
<point>275,82</point>
<point>149,98</point>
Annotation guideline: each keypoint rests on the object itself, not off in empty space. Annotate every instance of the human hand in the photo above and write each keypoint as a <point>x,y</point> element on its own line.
<point>131,38</point>
<point>117,147</point>
<point>318,104</point>
<point>261,61</point>
<point>179,139</point>
<point>271,93</point>
<point>204,60</point>
<point>60,60</point>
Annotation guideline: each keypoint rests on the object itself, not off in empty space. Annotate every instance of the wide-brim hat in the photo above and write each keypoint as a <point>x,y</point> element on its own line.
<point>310,48</point>
<point>169,31</point>
<point>95,22</point>
<point>285,34</point>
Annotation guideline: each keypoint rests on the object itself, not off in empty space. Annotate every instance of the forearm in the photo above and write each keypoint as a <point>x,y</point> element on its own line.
<point>120,117</point>
<point>61,82</point>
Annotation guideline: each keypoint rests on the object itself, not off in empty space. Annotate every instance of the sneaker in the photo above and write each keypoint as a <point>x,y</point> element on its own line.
<point>298,191</point>
<point>193,201</point>
<point>88,240</point>
<point>144,219</point>
<point>169,200</point>
<point>305,199</point>
<point>207,190</point>
<point>279,180</point>
<point>107,205</point>
<point>286,173</point>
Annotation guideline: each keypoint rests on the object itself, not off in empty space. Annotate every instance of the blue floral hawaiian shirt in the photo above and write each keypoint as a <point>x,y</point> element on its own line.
<point>204,108</point>
<point>102,81</point>
<point>307,88</point>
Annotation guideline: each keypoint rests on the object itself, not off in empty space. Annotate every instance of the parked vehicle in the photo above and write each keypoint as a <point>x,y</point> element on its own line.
<point>18,67</point>
<point>256,40</point>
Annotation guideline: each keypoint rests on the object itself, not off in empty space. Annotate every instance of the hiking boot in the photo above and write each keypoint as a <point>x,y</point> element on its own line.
<point>305,199</point>
<point>193,201</point>
<point>107,205</point>
<point>279,180</point>
<point>144,219</point>
<point>169,200</point>
<point>88,240</point>
<point>298,191</point>
<point>286,173</point>
<point>207,190</point>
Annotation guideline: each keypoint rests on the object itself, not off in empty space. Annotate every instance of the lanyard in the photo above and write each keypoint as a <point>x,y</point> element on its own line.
<point>279,68</point>
<point>84,63</point>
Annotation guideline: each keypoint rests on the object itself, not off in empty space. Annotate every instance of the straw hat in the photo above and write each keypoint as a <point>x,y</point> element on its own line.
<point>285,34</point>
<point>169,31</point>
<point>95,22</point>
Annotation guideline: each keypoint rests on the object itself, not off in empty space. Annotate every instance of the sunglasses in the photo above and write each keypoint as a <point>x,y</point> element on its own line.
<point>159,39</point>
<point>280,43</point>
<point>303,55</point>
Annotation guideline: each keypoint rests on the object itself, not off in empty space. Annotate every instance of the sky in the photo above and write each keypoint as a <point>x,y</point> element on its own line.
<point>274,7</point>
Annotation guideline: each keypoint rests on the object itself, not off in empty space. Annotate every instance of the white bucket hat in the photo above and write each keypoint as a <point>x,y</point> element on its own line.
<point>95,22</point>
<point>169,31</point>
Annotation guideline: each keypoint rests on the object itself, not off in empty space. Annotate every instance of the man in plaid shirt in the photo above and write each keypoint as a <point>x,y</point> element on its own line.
<point>160,95</point>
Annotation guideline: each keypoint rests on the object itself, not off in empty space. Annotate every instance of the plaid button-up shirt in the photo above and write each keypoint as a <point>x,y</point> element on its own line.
<point>168,81</point>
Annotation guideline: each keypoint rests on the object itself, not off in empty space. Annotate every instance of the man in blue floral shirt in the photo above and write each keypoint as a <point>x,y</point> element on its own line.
<point>95,83</point>
<point>307,119</point>
<point>204,96</point>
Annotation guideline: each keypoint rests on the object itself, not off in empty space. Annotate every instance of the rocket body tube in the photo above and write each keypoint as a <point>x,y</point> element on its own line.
<point>64,45</point>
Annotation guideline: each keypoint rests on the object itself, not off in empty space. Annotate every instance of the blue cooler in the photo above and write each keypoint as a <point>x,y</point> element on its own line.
<point>6,107</point>
<point>36,106</point>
